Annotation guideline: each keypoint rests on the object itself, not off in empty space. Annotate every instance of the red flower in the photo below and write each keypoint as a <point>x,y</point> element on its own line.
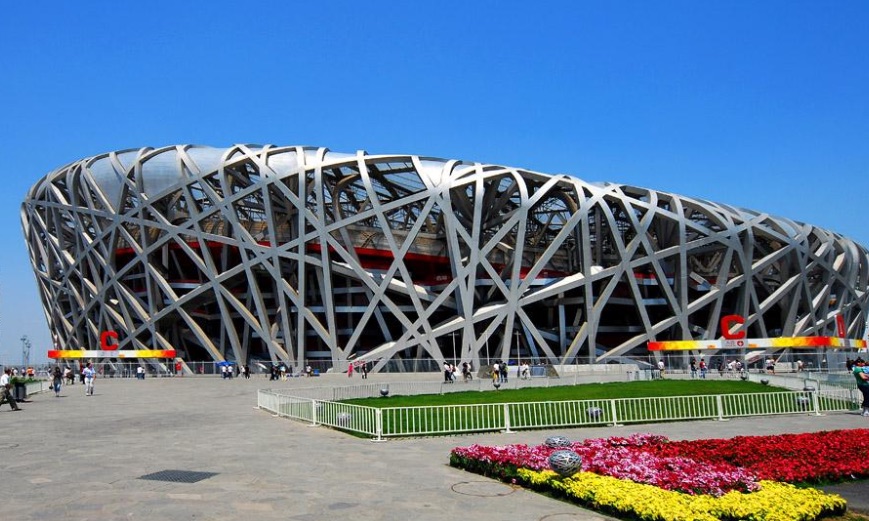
<point>712,466</point>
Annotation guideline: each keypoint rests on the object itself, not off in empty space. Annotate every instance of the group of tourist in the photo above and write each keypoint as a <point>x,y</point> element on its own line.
<point>282,372</point>
<point>499,372</point>
<point>731,366</point>
<point>29,372</point>
<point>58,376</point>
<point>698,367</point>
<point>227,372</point>
<point>359,367</point>
<point>450,372</point>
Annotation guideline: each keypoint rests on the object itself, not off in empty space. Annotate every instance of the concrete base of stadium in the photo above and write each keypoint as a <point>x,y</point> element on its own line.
<point>198,448</point>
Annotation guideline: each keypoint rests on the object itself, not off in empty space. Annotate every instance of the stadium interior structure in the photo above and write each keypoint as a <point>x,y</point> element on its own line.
<point>303,255</point>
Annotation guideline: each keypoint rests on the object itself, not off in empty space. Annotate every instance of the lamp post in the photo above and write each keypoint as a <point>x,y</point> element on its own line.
<point>453,334</point>
<point>517,349</point>
<point>25,351</point>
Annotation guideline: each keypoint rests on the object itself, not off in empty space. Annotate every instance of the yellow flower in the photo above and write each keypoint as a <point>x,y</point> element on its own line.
<point>773,502</point>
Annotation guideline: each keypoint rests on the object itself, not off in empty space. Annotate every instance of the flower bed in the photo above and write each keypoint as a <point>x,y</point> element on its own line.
<point>650,477</point>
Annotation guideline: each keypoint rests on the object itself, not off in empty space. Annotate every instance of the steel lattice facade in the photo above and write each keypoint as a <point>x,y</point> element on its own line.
<point>301,254</point>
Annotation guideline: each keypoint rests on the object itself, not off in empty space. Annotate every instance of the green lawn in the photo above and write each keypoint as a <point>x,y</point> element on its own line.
<point>654,388</point>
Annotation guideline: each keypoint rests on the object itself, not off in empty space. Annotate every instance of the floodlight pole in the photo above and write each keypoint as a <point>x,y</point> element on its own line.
<point>453,334</point>
<point>517,350</point>
<point>25,351</point>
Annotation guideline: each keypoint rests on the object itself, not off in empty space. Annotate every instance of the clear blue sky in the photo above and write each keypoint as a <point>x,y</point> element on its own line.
<point>763,105</point>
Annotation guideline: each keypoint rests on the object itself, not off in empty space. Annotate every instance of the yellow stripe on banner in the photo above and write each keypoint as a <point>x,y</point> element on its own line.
<point>83,353</point>
<point>683,345</point>
<point>799,342</point>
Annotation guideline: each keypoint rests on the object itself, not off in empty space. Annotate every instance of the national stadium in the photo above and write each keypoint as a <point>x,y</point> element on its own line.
<point>301,255</point>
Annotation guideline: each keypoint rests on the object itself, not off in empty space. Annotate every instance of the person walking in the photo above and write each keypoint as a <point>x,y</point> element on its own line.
<point>862,378</point>
<point>56,380</point>
<point>6,391</point>
<point>89,377</point>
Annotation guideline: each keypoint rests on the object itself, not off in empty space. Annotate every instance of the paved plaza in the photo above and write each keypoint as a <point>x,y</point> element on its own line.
<point>83,457</point>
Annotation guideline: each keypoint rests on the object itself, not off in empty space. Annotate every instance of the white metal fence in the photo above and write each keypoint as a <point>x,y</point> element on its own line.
<point>380,423</point>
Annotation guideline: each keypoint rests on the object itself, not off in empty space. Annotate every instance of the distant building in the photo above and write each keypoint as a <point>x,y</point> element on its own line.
<point>299,254</point>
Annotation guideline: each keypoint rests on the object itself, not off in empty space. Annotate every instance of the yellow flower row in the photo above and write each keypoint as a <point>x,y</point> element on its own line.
<point>773,502</point>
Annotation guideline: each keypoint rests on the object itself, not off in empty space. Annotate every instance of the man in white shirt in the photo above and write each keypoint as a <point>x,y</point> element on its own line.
<point>6,391</point>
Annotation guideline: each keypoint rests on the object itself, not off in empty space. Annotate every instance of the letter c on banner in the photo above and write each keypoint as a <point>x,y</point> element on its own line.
<point>104,340</point>
<point>726,322</point>
<point>840,325</point>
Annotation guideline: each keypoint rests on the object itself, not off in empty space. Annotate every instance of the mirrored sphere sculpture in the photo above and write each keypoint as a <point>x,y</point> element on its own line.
<point>557,442</point>
<point>565,463</point>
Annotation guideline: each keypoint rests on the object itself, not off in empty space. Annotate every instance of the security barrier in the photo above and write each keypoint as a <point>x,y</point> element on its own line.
<point>386,422</point>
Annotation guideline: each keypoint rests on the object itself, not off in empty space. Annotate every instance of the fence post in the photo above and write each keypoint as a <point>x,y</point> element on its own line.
<point>816,403</point>
<point>313,413</point>
<point>378,424</point>
<point>614,414</point>
<point>719,403</point>
<point>507,418</point>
